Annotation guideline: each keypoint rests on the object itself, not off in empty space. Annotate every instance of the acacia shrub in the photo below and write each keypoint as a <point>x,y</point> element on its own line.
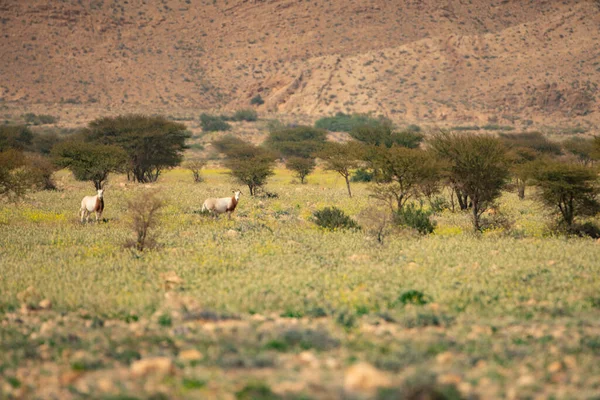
<point>342,158</point>
<point>144,214</point>
<point>581,148</point>
<point>569,190</point>
<point>249,164</point>
<point>477,167</point>
<point>298,141</point>
<point>384,134</point>
<point>152,144</point>
<point>90,161</point>
<point>40,170</point>
<point>17,137</point>
<point>401,173</point>
<point>532,140</point>
<point>14,180</point>
<point>297,145</point>
<point>195,166</point>
<point>301,166</point>
<point>20,172</point>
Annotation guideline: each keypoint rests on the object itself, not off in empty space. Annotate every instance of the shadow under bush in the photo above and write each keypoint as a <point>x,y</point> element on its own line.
<point>587,229</point>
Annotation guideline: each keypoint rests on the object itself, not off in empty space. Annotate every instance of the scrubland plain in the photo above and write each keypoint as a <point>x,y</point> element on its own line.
<point>267,305</point>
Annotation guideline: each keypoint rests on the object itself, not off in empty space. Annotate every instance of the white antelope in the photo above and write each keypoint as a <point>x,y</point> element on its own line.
<point>91,204</point>
<point>222,205</point>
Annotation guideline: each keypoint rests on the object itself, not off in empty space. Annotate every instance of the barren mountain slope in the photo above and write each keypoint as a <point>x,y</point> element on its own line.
<point>413,60</point>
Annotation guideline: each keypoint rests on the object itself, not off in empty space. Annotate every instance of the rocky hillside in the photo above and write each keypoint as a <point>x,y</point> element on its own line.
<point>449,62</point>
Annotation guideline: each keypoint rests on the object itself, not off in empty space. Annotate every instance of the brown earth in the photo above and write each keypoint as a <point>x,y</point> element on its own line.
<point>427,61</point>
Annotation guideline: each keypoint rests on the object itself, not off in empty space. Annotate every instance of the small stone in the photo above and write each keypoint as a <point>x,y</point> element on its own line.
<point>158,365</point>
<point>171,280</point>
<point>332,363</point>
<point>363,377</point>
<point>444,358</point>
<point>559,377</point>
<point>555,367</point>
<point>45,304</point>
<point>465,387</point>
<point>105,385</point>
<point>69,377</point>
<point>308,358</point>
<point>358,257</point>
<point>570,362</point>
<point>47,327</point>
<point>449,379</point>
<point>232,233</point>
<point>190,355</point>
<point>525,380</point>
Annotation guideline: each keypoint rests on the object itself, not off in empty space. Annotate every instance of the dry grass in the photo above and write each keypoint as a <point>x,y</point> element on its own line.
<point>269,297</point>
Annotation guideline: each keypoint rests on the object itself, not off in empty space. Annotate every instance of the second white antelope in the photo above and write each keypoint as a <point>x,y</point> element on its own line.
<point>222,205</point>
<point>91,204</point>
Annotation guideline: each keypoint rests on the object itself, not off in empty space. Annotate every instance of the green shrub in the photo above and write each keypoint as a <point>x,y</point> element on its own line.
<point>193,383</point>
<point>413,297</point>
<point>416,218</point>
<point>301,166</point>
<point>465,128</point>
<point>438,204</point>
<point>249,164</point>
<point>333,218</point>
<point>152,143</point>
<point>89,161</point>
<point>362,175</point>
<point>249,115</point>
<point>570,190</point>
<point>421,319</point>
<point>531,140</point>
<point>581,148</point>
<point>413,128</point>
<point>384,134</point>
<point>298,141</point>
<point>165,320</point>
<point>256,391</point>
<point>211,123</point>
<point>257,100</point>
<point>297,338</point>
<point>41,119</point>
<point>495,127</point>
<point>346,122</point>
<point>477,166</point>
<point>17,137</point>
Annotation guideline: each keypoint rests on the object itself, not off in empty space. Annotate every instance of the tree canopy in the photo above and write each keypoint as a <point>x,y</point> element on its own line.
<point>249,164</point>
<point>152,144</point>
<point>478,167</point>
<point>90,161</point>
<point>402,173</point>
<point>17,137</point>
<point>342,158</point>
<point>299,141</point>
<point>570,190</point>
<point>384,134</point>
